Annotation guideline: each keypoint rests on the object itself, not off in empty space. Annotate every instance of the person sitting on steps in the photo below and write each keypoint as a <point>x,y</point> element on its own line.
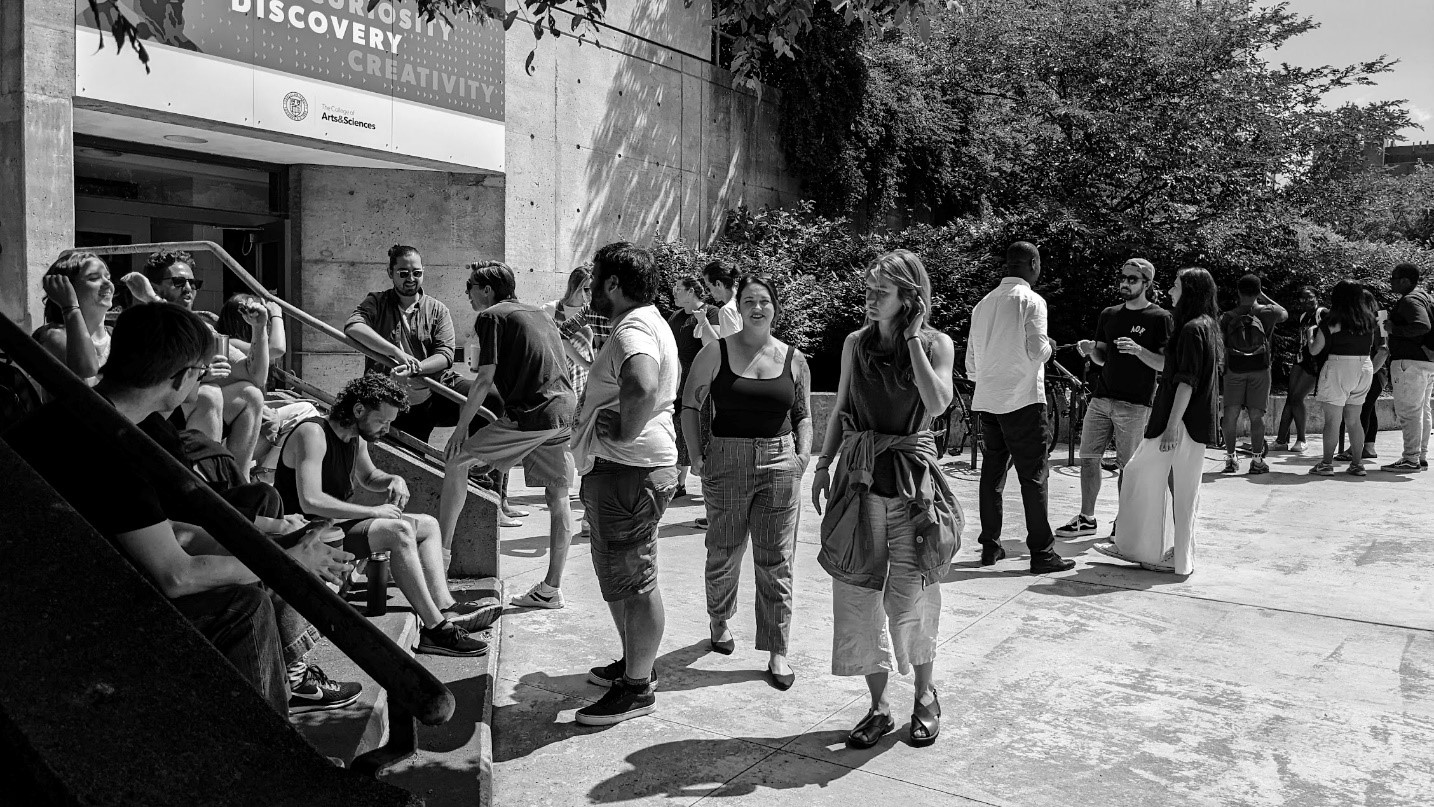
<point>319,464</point>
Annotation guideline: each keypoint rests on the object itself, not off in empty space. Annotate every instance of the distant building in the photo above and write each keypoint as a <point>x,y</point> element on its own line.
<point>1403,159</point>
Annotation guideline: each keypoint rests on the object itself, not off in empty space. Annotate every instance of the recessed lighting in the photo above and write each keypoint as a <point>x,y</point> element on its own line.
<point>185,139</point>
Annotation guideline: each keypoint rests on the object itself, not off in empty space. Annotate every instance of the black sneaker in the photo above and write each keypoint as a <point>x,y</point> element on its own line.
<point>605,676</point>
<point>1078,527</point>
<point>318,693</point>
<point>473,616</point>
<point>447,639</point>
<point>623,701</point>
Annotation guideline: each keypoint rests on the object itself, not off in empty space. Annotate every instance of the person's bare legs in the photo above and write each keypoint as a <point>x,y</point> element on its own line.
<point>1090,478</point>
<point>430,558</point>
<point>876,684</point>
<point>1356,433</point>
<point>640,622</point>
<point>1257,431</point>
<point>243,412</point>
<point>398,538</point>
<point>560,532</point>
<point>924,692</point>
<point>454,496</point>
<point>1333,417</point>
<point>1232,422</point>
<point>206,416</point>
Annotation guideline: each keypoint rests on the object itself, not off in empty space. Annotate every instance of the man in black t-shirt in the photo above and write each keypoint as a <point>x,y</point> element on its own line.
<point>522,356</point>
<point>1130,347</point>
<point>1247,331</point>
<point>158,355</point>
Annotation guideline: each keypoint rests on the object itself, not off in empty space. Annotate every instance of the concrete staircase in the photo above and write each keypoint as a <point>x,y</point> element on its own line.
<point>109,696</point>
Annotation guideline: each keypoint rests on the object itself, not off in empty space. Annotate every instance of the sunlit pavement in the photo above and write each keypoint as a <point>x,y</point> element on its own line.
<point>1293,667</point>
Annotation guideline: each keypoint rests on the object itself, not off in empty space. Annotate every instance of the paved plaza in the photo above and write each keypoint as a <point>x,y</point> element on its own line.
<point>1293,668</point>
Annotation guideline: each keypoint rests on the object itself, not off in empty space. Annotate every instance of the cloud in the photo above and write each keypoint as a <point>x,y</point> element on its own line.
<point>1420,114</point>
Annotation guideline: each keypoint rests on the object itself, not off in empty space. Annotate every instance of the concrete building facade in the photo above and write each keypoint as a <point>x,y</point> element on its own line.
<point>455,146</point>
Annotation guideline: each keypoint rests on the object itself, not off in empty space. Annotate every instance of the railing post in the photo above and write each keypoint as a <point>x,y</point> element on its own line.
<point>402,742</point>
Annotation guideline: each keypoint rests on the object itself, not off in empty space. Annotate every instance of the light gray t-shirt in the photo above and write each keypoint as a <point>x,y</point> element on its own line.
<point>642,331</point>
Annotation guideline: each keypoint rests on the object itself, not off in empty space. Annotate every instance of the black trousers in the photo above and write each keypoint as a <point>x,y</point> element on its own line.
<point>1020,438</point>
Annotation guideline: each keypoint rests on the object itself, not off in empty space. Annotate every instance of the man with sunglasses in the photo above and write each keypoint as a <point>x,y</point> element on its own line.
<point>415,331</point>
<point>1129,346</point>
<point>229,406</point>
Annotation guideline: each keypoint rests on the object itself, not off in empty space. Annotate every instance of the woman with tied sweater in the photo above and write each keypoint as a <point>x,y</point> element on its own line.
<point>1350,339</point>
<point>78,293</point>
<point>1182,422</point>
<point>892,524</point>
<point>752,469</point>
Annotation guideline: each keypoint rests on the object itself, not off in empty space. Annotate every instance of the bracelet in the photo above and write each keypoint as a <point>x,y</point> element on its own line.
<point>68,309</point>
<point>909,338</point>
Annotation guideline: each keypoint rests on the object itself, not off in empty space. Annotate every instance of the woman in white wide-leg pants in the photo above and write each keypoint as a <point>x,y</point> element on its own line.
<point>1160,490</point>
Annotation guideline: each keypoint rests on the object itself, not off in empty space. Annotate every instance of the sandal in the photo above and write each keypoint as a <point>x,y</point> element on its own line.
<point>926,722</point>
<point>870,730</point>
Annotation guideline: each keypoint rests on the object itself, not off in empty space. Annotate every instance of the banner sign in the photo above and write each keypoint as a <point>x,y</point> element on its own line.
<point>332,69</point>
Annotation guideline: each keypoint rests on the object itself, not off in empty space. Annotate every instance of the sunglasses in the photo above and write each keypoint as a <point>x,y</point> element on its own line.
<point>1124,278</point>
<point>407,273</point>
<point>181,282</point>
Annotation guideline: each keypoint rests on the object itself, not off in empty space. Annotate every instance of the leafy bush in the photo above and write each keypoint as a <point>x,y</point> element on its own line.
<point>819,262</point>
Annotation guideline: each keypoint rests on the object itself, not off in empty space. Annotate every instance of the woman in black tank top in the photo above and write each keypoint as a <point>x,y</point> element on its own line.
<point>752,468</point>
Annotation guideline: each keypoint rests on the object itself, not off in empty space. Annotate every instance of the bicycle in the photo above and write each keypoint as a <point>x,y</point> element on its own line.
<point>958,426</point>
<point>1065,392</point>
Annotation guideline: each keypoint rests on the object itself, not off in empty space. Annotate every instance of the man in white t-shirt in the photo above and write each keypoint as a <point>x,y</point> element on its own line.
<point>626,449</point>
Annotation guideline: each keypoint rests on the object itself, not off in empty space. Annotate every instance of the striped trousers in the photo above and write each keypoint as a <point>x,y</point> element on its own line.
<point>752,486</point>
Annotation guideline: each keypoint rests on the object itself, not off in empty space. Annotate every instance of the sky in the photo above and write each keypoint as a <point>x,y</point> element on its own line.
<point>1360,30</point>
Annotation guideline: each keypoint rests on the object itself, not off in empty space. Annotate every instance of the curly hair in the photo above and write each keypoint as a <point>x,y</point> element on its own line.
<point>371,390</point>
<point>159,263</point>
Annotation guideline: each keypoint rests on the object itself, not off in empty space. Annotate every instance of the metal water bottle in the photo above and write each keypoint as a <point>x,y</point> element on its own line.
<point>377,573</point>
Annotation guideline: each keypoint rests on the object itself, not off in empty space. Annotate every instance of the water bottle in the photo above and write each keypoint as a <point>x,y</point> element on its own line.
<point>377,572</point>
<point>470,353</point>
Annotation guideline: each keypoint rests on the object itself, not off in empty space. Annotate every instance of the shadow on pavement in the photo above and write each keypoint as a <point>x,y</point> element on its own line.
<point>697,783</point>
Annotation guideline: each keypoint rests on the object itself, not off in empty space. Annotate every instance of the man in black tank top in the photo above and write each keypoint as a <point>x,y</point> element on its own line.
<point>321,462</point>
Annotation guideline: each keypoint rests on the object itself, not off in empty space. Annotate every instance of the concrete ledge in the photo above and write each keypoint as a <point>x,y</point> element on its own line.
<point>362,726</point>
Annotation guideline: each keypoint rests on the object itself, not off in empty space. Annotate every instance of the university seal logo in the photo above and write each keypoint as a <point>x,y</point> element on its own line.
<point>296,106</point>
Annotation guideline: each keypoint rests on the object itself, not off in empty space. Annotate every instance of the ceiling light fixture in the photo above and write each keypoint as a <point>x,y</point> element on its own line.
<point>185,139</point>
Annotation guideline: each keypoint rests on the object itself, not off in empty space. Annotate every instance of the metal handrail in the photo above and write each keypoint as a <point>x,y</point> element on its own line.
<point>257,289</point>
<point>406,681</point>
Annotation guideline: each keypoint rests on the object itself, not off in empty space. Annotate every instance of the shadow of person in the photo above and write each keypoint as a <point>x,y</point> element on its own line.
<point>674,669</point>
<point>1100,577</point>
<point>685,768</point>
<point>530,722</point>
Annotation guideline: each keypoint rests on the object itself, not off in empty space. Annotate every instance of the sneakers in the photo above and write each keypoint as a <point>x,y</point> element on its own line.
<point>1342,456</point>
<point>624,700</point>
<point>447,639</point>
<point>1282,445</point>
<point>1166,564</point>
<point>1369,452</point>
<point>1323,468</point>
<point>1298,447</point>
<point>473,616</point>
<point>605,676</point>
<point>1232,465</point>
<point>535,598</point>
<point>1404,466</point>
<point>1077,527</point>
<point>1356,469</point>
<point>1109,549</point>
<point>701,523</point>
<point>1258,466</point>
<point>1424,465</point>
<point>318,693</point>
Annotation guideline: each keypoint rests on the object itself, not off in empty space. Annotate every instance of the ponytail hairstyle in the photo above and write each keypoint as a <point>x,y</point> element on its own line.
<point>913,285</point>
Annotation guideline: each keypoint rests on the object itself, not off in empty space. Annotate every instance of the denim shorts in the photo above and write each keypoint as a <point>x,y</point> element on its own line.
<point>1111,422</point>
<point>624,505</point>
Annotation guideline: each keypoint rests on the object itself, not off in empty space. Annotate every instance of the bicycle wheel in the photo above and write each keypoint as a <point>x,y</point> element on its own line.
<point>1055,408</point>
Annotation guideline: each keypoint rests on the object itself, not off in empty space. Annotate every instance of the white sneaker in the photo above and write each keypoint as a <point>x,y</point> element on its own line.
<point>1298,447</point>
<point>536,599</point>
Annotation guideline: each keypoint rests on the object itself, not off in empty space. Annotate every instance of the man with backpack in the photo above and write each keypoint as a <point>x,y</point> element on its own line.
<point>1411,366</point>
<point>1247,329</point>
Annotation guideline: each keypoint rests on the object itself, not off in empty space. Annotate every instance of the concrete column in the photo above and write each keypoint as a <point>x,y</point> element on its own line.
<point>37,168</point>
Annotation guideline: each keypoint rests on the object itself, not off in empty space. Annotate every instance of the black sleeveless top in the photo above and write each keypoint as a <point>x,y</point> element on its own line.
<point>338,473</point>
<point>753,407</point>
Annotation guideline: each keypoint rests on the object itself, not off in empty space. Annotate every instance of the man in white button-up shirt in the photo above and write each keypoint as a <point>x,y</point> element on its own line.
<point>1006,357</point>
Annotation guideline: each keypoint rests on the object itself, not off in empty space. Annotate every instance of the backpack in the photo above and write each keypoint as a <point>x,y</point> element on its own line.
<point>1247,346</point>
<point>18,397</point>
